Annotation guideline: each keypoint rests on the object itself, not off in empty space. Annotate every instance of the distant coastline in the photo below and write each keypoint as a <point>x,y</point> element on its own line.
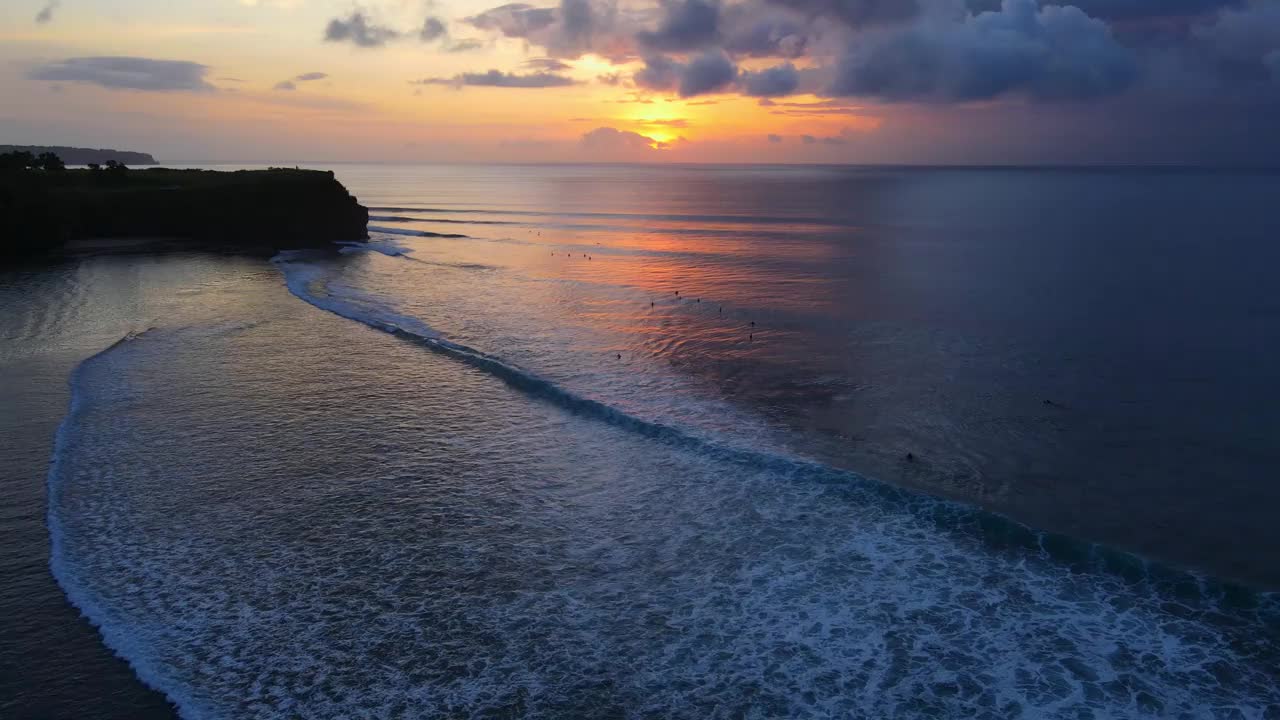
<point>84,156</point>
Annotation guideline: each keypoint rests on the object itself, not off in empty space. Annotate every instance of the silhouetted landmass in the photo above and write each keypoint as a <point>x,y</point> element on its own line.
<point>42,210</point>
<point>84,156</point>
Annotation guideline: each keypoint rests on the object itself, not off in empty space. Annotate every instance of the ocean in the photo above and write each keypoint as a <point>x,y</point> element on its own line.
<point>653,441</point>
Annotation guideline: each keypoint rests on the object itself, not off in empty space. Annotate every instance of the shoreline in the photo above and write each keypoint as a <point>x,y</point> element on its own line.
<point>105,685</point>
<point>124,246</point>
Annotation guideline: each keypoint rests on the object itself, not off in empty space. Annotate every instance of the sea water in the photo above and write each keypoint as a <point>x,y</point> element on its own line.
<point>698,442</point>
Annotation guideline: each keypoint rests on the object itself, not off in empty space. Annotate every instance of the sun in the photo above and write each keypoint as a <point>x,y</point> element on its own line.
<point>660,138</point>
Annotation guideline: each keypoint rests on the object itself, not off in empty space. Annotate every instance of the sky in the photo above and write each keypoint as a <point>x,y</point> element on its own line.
<point>839,81</point>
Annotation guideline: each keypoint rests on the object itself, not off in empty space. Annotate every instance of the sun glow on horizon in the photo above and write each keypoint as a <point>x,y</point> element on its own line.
<point>245,98</point>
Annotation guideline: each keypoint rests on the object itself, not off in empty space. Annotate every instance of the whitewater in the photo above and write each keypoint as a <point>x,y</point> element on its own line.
<point>539,473</point>
<point>658,573</point>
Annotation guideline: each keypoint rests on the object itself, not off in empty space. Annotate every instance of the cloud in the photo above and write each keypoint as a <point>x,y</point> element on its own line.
<point>432,29</point>
<point>607,139</point>
<point>577,26</point>
<point>357,30</point>
<point>660,73</point>
<point>1049,53</point>
<point>1134,9</point>
<point>292,84</point>
<point>548,64</point>
<point>464,45</point>
<point>685,25</point>
<point>130,73</point>
<point>856,13</point>
<point>46,13</point>
<point>497,78</point>
<point>841,139</point>
<point>570,30</point>
<point>763,32</point>
<point>775,138</point>
<point>819,109</point>
<point>514,20</point>
<point>705,73</point>
<point>771,82</point>
<point>1242,39</point>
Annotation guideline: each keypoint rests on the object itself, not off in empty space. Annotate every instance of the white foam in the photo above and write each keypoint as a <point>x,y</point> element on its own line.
<point>385,246</point>
<point>560,567</point>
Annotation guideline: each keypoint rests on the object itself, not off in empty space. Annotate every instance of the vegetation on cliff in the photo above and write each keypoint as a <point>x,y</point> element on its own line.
<point>84,156</point>
<point>43,206</point>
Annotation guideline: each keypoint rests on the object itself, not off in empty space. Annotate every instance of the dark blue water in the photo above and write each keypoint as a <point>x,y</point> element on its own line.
<point>692,442</point>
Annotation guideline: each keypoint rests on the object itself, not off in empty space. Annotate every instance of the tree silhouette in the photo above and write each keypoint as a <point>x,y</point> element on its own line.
<point>51,162</point>
<point>20,160</point>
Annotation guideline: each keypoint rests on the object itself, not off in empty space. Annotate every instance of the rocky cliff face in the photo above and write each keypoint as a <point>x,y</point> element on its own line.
<point>259,209</point>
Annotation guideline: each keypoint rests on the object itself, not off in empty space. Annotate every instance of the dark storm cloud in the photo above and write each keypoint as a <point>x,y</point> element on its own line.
<point>432,29</point>
<point>497,78</point>
<point>708,72</point>
<point>659,73</point>
<point>359,31</point>
<point>46,13</point>
<point>756,32</point>
<point>856,13</point>
<point>131,73</point>
<point>577,21</point>
<point>1133,9</point>
<point>1242,39</point>
<point>569,30</point>
<point>1050,53</point>
<point>575,27</point>
<point>772,82</point>
<point>685,25</point>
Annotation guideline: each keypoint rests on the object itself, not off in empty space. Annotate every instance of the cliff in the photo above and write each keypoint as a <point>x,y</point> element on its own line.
<point>260,210</point>
<point>84,156</point>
